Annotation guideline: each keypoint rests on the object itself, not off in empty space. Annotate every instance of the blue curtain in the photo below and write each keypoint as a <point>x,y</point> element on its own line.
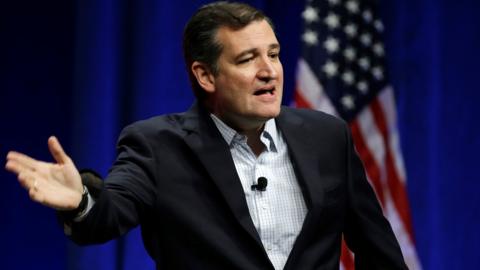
<point>434,65</point>
<point>84,69</point>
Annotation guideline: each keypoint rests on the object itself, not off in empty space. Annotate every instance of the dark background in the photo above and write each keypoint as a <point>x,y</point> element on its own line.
<point>83,69</point>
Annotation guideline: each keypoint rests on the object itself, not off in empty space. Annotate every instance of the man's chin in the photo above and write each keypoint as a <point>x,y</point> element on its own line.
<point>264,117</point>
<point>269,114</point>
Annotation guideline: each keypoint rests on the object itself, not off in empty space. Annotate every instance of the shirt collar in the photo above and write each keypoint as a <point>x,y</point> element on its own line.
<point>269,134</point>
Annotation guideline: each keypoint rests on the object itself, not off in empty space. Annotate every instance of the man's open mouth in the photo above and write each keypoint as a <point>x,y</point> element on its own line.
<point>264,91</point>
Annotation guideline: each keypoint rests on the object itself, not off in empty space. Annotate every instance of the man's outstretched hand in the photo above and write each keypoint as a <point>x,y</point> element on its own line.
<point>57,185</point>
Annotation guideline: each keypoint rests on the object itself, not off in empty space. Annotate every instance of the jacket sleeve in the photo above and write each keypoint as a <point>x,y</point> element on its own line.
<point>123,197</point>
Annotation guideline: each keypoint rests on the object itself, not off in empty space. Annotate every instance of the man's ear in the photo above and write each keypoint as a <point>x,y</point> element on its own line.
<point>204,77</point>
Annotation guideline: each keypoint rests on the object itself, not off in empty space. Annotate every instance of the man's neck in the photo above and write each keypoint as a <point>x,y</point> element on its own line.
<point>251,129</point>
<point>253,140</point>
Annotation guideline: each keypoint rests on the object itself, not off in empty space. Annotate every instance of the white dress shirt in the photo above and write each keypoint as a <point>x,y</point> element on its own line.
<point>279,211</point>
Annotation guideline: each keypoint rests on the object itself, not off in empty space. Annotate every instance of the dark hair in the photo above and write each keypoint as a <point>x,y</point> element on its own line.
<point>199,36</point>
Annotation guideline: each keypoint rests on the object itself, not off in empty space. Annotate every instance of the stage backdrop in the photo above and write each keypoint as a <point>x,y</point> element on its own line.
<point>84,69</point>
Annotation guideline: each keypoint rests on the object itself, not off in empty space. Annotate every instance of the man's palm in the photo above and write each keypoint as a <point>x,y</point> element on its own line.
<point>57,185</point>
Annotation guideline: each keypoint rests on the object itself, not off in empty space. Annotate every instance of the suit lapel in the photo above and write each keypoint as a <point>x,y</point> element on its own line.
<point>305,160</point>
<point>213,152</point>
<point>306,163</point>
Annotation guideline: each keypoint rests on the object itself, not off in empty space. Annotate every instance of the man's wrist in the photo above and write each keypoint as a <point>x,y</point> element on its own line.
<point>80,210</point>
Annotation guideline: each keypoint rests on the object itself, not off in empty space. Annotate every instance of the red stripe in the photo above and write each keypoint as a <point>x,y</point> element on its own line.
<point>366,156</point>
<point>347,257</point>
<point>397,189</point>
<point>300,101</point>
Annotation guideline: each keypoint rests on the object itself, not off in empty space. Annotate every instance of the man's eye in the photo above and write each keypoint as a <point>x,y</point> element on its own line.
<point>246,60</point>
<point>274,55</point>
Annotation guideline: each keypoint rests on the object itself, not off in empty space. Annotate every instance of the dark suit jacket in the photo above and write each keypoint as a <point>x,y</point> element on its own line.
<point>174,176</point>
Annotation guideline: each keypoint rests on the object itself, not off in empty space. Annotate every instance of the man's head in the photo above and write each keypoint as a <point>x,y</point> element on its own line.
<point>231,54</point>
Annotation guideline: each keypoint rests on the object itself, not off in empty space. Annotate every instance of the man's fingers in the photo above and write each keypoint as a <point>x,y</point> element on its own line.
<point>57,151</point>
<point>23,162</point>
<point>14,167</point>
<point>36,196</point>
<point>27,177</point>
<point>27,180</point>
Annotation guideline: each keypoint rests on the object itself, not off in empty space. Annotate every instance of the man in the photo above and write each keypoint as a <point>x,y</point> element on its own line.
<point>236,182</point>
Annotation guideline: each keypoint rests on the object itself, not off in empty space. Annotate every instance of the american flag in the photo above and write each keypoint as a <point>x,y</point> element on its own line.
<point>342,72</point>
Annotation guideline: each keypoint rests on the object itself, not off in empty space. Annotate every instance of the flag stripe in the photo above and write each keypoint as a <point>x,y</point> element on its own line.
<point>408,248</point>
<point>347,258</point>
<point>400,195</point>
<point>374,141</point>
<point>301,102</point>
<point>387,99</point>
<point>311,91</point>
<point>371,167</point>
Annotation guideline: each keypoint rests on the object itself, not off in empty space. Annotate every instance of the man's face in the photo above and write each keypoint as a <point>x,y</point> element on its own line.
<point>249,85</point>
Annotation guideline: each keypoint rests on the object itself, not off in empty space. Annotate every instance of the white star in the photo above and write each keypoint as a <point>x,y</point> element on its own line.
<point>350,53</point>
<point>310,37</point>
<point>364,63</point>
<point>348,77</point>
<point>331,44</point>
<point>332,21</point>
<point>352,6</point>
<point>366,39</point>
<point>378,49</point>
<point>363,87</point>
<point>333,2</point>
<point>310,14</point>
<point>351,30</point>
<point>330,68</point>
<point>348,102</point>
<point>367,16</point>
<point>378,73</point>
<point>378,25</point>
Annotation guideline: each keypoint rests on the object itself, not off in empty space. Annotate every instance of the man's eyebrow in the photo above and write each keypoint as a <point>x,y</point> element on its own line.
<point>274,46</point>
<point>254,50</point>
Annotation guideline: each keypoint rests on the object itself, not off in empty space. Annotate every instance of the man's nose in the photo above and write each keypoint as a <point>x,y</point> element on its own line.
<point>267,69</point>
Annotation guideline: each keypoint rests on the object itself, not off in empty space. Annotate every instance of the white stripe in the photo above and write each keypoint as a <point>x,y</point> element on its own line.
<point>387,101</point>
<point>408,248</point>
<point>373,140</point>
<point>311,89</point>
